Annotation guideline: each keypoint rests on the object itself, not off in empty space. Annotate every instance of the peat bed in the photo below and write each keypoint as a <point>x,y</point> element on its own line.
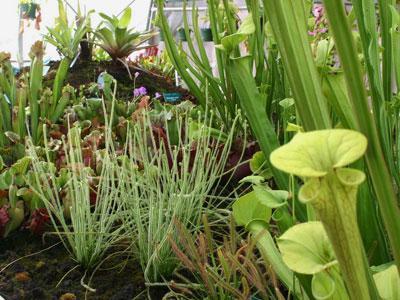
<point>36,277</point>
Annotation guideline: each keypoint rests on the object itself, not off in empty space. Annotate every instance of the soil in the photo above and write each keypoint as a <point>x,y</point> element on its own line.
<point>86,72</point>
<point>36,277</point>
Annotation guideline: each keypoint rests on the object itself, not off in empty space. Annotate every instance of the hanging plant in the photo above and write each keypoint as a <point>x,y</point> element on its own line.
<point>30,11</point>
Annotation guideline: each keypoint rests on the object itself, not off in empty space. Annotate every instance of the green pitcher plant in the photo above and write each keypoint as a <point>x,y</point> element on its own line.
<point>306,249</point>
<point>320,158</point>
<point>254,212</point>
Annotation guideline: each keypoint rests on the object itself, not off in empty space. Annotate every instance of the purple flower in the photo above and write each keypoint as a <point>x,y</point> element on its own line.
<point>142,91</point>
<point>137,74</point>
<point>318,12</point>
<point>158,95</point>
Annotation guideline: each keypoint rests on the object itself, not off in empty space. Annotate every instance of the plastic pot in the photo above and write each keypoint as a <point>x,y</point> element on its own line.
<point>161,35</point>
<point>29,10</point>
<point>206,34</point>
<point>182,35</point>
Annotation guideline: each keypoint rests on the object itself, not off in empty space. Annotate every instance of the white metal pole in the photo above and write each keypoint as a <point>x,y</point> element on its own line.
<point>20,56</point>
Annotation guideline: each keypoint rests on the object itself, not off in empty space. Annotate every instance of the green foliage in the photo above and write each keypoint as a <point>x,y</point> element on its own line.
<point>306,249</point>
<point>163,182</point>
<point>315,154</point>
<point>226,269</point>
<point>249,208</point>
<point>117,39</point>
<point>194,65</point>
<point>253,212</point>
<point>320,157</point>
<point>157,64</point>
<point>259,165</point>
<point>231,42</point>
<point>379,158</point>
<point>388,283</point>
<point>87,229</point>
<point>66,38</point>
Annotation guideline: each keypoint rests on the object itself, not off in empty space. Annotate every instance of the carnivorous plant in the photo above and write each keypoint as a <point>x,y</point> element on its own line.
<point>320,158</point>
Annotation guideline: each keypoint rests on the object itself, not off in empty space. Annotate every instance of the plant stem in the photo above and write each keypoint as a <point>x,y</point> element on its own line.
<point>288,23</point>
<point>271,254</point>
<point>378,169</point>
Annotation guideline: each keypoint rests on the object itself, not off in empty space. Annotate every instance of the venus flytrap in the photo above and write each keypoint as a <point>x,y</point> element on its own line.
<point>321,157</point>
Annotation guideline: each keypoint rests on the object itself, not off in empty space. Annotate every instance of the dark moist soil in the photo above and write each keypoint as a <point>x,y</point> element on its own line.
<point>36,277</point>
<point>86,72</point>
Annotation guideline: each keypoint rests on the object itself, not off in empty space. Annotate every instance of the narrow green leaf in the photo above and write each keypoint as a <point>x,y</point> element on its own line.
<point>125,20</point>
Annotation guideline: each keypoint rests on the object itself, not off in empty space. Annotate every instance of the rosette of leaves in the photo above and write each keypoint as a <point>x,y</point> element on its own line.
<point>117,39</point>
<point>66,38</point>
<point>320,158</point>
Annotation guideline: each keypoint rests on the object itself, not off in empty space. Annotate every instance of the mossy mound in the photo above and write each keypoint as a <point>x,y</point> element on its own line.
<point>86,72</point>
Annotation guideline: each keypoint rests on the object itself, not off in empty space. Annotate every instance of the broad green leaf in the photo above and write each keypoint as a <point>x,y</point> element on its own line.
<point>21,166</point>
<point>271,198</point>
<point>286,103</point>
<point>315,153</point>
<point>306,248</point>
<point>16,217</point>
<point>108,18</point>
<point>246,28</point>
<point>388,283</point>
<point>253,179</point>
<point>259,165</point>
<point>5,180</point>
<point>294,128</point>
<point>248,208</point>
<point>335,91</point>
<point>324,49</point>
<point>3,183</point>
<point>125,19</point>
<point>1,163</point>
<point>251,102</point>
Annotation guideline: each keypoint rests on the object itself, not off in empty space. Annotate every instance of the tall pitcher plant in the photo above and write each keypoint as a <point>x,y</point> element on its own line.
<point>321,157</point>
<point>379,165</point>
<point>287,20</point>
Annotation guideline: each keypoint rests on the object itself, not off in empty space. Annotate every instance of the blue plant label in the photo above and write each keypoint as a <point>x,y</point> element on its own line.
<point>172,97</point>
